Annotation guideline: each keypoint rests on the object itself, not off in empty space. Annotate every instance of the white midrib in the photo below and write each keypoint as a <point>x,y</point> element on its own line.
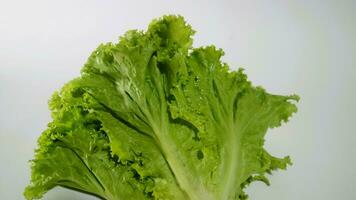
<point>188,182</point>
<point>231,164</point>
<point>234,173</point>
<point>193,187</point>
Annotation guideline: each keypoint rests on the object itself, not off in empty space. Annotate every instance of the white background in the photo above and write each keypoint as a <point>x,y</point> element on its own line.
<point>305,47</point>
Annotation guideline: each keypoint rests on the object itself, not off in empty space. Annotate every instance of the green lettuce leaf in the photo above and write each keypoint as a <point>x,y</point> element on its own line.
<point>151,117</point>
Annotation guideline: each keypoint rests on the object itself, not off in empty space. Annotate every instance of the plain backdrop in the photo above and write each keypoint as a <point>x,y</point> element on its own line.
<point>307,47</point>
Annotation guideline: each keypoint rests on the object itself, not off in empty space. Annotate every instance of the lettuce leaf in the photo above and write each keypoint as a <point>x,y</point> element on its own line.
<point>151,117</point>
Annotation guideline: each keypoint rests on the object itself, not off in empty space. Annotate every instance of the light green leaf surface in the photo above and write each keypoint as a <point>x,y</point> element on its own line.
<point>153,118</point>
